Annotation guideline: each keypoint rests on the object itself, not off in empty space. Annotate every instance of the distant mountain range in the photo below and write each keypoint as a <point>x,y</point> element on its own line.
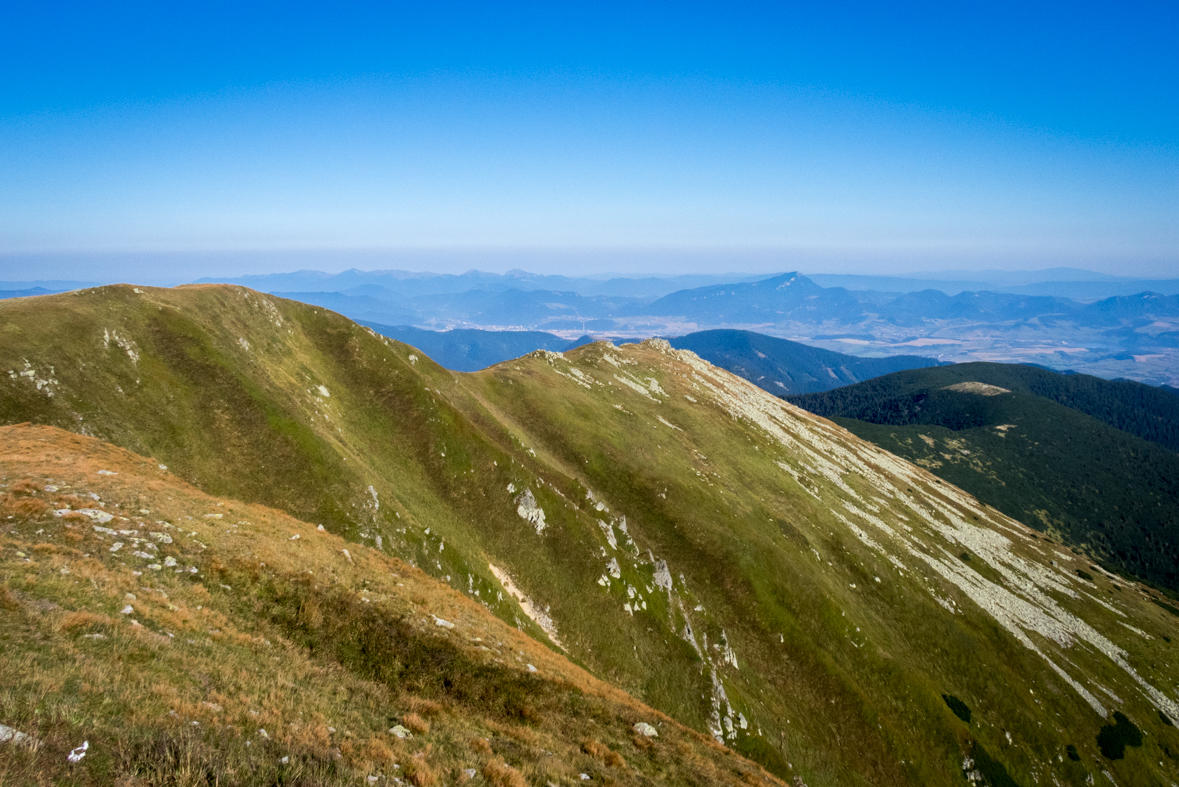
<point>784,367</point>
<point>777,365</point>
<point>498,546</point>
<point>1128,333</point>
<point>1092,462</point>
<point>471,349</point>
<point>1133,336</point>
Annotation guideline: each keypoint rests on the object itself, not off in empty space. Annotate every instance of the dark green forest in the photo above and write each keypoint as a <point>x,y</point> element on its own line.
<point>1068,455</point>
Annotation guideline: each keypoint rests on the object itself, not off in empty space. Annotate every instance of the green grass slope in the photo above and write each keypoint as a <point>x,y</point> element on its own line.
<point>1031,451</point>
<point>752,570</point>
<point>188,639</point>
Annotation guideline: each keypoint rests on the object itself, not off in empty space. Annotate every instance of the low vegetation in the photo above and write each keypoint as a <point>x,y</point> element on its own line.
<point>768,580</point>
<point>251,650</point>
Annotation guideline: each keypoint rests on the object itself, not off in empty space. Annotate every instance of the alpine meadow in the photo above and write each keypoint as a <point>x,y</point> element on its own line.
<point>247,540</point>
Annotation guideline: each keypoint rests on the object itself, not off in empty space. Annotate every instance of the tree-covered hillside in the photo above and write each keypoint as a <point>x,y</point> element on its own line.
<point>1064,454</point>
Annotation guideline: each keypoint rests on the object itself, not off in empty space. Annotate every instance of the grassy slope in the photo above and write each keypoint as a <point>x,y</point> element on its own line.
<point>1051,466</point>
<point>277,629</point>
<point>838,677</point>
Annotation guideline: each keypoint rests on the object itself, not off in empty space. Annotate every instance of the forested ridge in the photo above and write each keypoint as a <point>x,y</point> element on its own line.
<point>1039,446</point>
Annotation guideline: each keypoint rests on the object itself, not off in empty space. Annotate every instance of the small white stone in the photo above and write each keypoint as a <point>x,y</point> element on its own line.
<point>77,754</point>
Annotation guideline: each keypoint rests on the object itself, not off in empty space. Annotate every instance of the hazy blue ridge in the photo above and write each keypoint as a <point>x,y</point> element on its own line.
<point>783,367</point>
<point>6,294</point>
<point>469,349</point>
<point>407,284</point>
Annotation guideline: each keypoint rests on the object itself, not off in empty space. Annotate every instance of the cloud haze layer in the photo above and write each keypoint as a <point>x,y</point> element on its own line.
<point>852,139</point>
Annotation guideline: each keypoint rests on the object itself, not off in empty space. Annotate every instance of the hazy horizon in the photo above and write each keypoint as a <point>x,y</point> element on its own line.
<point>171,268</point>
<point>685,138</point>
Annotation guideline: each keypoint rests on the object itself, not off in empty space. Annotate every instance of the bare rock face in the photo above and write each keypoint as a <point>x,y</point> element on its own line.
<point>527,508</point>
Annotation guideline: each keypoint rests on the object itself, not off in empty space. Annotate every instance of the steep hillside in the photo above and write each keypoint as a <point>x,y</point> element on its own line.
<point>784,367</point>
<point>1008,435</point>
<point>751,570</point>
<point>1145,411</point>
<point>170,637</point>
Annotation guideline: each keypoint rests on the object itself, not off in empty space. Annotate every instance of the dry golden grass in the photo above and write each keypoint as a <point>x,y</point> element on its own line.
<point>419,772</point>
<point>80,619</point>
<point>602,752</point>
<point>277,634</point>
<point>423,707</point>
<point>25,486</point>
<point>24,507</point>
<point>415,723</point>
<point>499,774</point>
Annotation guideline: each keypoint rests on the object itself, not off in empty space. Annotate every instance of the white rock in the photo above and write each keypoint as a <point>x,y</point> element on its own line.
<point>527,508</point>
<point>400,732</point>
<point>9,735</point>
<point>77,754</point>
<point>646,730</point>
<point>127,610</point>
<point>446,624</point>
<point>101,517</point>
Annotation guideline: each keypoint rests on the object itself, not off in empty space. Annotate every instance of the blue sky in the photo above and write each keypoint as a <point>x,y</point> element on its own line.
<point>889,137</point>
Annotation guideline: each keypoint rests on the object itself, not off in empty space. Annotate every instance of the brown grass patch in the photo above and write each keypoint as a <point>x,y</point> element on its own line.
<point>420,774</point>
<point>416,723</point>
<point>480,746</point>
<point>25,486</point>
<point>377,750</point>
<point>25,507</point>
<point>81,619</point>
<point>642,742</point>
<point>310,613</point>
<point>424,707</point>
<point>7,601</point>
<point>602,752</point>
<point>500,774</point>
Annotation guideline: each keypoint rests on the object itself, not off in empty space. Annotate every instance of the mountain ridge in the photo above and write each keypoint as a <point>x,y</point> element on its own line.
<point>683,534</point>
